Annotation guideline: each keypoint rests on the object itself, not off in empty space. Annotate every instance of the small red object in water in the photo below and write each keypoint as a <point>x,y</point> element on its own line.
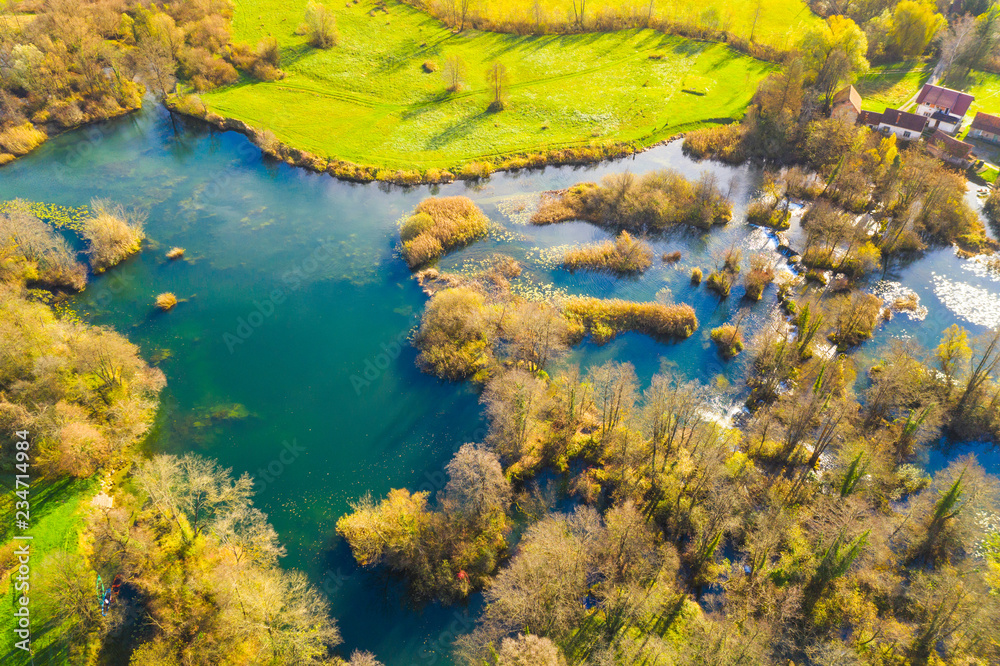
<point>462,575</point>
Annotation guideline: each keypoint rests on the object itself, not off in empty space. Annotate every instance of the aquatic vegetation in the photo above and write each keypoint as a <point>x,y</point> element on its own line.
<point>175,253</point>
<point>672,257</point>
<point>113,232</point>
<point>696,275</point>
<point>166,301</point>
<point>623,256</point>
<point>603,319</point>
<point>654,201</point>
<point>728,339</point>
<point>772,215</point>
<point>439,225</point>
<point>31,251</point>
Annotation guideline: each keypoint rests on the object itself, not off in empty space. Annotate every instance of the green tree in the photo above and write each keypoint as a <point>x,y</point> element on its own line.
<point>834,53</point>
<point>914,25</point>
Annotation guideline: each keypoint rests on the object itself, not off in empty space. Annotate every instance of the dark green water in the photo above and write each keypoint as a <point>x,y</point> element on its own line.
<point>297,310</point>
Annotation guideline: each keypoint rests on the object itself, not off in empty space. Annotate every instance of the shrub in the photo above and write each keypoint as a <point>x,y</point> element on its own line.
<point>725,142</point>
<point>763,215</point>
<point>113,234</point>
<point>728,339</point>
<point>721,282</point>
<point>439,225</point>
<point>429,66</point>
<point>603,319</point>
<point>166,301</point>
<point>321,26</point>
<point>672,257</point>
<point>475,170</point>
<point>175,253</point>
<point>625,255</point>
<point>696,276</point>
<point>760,275</point>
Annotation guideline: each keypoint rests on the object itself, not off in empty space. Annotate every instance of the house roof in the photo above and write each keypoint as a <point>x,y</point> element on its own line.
<point>958,102</point>
<point>869,118</point>
<point>954,147</point>
<point>986,123</point>
<point>945,117</point>
<point>848,95</point>
<point>904,120</point>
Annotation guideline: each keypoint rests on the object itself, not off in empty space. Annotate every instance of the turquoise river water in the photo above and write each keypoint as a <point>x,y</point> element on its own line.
<point>288,357</point>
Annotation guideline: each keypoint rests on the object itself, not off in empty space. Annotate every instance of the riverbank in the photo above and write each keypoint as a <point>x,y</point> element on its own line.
<point>360,173</point>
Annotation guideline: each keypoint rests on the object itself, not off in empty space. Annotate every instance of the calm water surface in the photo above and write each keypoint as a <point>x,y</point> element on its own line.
<point>288,359</point>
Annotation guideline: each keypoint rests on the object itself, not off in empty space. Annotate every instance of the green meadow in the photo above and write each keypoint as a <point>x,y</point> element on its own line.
<point>57,518</point>
<point>370,99</point>
<point>893,84</point>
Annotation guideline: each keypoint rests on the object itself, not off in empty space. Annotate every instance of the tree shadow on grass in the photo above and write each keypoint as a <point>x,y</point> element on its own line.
<point>458,131</point>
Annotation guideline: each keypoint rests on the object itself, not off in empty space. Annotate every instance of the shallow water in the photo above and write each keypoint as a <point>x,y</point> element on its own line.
<point>287,358</point>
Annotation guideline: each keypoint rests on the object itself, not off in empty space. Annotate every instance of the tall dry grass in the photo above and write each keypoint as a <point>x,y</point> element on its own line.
<point>439,225</point>
<point>652,202</point>
<point>623,256</point>
<point>113,233</point>
<point>603,319</point>
<point>21,139</point>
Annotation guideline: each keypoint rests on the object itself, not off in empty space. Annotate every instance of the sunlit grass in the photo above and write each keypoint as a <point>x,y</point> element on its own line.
<point>370,100</point>
<point>893,84</point>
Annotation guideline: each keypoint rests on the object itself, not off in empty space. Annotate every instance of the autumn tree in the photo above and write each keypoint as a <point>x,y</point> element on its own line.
<point>834,53</point>
<point>454,72</point>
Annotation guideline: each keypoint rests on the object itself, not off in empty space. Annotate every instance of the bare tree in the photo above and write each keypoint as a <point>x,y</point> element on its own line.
<point>499,79</point>
<point>476,484</point>
<point>454,72</point>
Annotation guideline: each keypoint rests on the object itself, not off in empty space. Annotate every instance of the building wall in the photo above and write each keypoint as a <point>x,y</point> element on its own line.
<point>845,113</point>
<point>985,136</point>
<point>907,135</point>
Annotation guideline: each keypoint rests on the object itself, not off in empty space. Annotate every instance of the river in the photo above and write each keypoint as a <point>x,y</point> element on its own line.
<point>288,356</point>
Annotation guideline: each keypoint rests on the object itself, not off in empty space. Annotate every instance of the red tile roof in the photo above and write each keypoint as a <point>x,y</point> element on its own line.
<point>904,120</point>
<point>848,95</point>
<point>957,102</point>
<point>986,123</point>
<point>954,147</point>
<point>869,118</point>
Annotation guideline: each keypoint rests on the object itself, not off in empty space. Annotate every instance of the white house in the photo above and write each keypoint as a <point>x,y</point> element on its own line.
<point>904,125</point>
<point>945,108</point>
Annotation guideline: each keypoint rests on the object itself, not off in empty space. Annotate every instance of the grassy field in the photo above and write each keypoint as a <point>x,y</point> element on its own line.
<point>369,100</point>
<point>779,24</point>
<point>57,514</point>
<point>891,85</point>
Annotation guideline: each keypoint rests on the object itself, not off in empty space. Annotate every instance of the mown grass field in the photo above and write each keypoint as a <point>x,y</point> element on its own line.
<point>369,100</point>
<point>893,84</point>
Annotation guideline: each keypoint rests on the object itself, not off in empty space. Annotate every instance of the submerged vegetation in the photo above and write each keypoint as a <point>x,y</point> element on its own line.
<point>193,562</point>
<point>623,256</point>
<point>652,202</point>
<point>439,225</point>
